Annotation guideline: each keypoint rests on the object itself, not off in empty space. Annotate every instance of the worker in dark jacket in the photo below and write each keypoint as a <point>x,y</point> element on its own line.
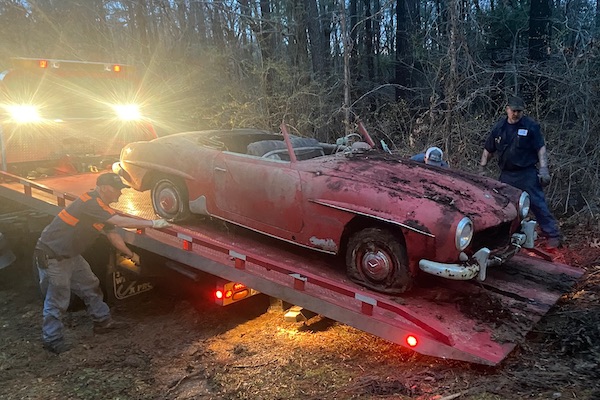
<point>518,141</point>
<point>61,267</point>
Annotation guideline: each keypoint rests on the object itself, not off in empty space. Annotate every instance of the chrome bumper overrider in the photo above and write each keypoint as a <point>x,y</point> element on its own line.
<point>476,266</point>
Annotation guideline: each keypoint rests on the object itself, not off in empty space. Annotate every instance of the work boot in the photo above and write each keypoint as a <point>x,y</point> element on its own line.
<point>553,243</point>
<point>108,326</point>
<point>57,346</point>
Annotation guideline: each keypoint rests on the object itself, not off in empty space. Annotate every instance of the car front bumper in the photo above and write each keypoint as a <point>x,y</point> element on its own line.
<point>476,266</point>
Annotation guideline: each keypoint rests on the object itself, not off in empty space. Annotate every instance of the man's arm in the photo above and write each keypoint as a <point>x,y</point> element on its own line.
<point>485,156</point>
<point>543,171</point>
<point>117,241</point>
<point>128,222</point>
<point>542,157</point>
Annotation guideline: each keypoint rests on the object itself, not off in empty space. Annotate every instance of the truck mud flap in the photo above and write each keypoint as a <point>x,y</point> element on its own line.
<point>124,285</point>
<point>126,280</point>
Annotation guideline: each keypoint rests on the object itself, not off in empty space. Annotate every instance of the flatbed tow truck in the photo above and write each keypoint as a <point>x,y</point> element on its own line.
<point>74,135</point>
<point>435,319</point>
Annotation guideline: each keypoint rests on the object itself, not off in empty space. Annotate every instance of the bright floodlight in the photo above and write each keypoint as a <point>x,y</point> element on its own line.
<point>24,113</point>
<point>128,112</point>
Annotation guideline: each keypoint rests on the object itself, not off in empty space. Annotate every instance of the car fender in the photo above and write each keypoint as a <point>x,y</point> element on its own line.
<point>152,169</point>
<point>418,240</point>
<point>369,213</point>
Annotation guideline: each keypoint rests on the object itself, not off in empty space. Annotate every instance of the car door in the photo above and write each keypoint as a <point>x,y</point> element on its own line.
<point>259,193</point>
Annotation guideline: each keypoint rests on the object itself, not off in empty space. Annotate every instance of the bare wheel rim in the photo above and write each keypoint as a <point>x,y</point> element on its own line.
<point>375,263</point>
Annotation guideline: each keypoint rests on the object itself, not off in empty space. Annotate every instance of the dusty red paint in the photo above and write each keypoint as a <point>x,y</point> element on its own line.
<point>313,202</point>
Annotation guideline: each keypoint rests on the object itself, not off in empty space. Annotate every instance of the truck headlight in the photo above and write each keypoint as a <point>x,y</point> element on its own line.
<point>524,204</point>
<point>23,113</point>
<point>128,112</point>
<point>464,233</point>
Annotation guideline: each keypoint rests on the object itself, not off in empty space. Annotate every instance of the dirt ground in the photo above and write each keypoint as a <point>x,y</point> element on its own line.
<point>181,347</point>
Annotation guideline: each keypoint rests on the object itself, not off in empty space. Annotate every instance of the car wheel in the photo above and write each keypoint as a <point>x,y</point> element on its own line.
<point>170,199</point>
<point>376,259</point>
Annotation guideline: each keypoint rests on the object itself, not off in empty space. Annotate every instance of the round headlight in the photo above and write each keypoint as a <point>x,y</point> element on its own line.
<point>24,113</point>
<point>464,233</point>
<point>127,112</point>
<point>524,204</point>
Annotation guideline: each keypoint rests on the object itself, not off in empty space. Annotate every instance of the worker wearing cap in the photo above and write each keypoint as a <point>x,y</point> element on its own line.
<point>433,156</point>
<point>518,141</point>
<point>61,267</point>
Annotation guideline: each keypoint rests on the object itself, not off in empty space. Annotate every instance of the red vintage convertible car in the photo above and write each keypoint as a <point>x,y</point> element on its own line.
<point>388,216</point>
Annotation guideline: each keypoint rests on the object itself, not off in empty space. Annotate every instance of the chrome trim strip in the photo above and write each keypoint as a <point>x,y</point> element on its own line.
<point>374,217</point>
<point>278,237</point>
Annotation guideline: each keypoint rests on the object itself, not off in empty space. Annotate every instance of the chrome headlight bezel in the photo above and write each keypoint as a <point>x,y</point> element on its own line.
<point>524,205</point>
<point>463,234</point>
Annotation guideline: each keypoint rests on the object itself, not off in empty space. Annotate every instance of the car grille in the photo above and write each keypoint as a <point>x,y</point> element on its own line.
<point>494,238</point>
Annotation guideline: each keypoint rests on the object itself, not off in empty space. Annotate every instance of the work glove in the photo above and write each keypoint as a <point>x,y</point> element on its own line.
<point>544,175</point>
<point>160,223</point>
<point>135,258</point>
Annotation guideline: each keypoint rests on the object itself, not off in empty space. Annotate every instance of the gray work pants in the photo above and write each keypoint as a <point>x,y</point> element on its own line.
<point>58,280</point>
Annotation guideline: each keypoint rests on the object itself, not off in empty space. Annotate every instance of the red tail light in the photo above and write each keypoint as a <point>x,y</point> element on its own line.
<point>411,341</point>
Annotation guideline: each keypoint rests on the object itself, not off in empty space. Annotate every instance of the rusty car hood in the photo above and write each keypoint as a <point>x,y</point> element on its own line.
<point>455,191</point>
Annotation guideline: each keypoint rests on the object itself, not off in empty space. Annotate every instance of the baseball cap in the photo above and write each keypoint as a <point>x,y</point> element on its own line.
<point>433,156</point>
<point>111,179</point>
<point>516,103</point>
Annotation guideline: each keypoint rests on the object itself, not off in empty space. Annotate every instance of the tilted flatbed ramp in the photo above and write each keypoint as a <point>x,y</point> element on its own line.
<point>479,322</point>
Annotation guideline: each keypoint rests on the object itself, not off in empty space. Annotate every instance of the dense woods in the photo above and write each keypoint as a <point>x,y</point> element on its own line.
<point>418,73</point>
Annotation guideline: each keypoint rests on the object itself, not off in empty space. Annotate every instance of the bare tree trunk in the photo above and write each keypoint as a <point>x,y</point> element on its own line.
<point>320,60</point>
<point>597,18</point>
<point>265,39</point>
<point>139,18</point>
<point>347,81</point>
<point>451,81</point>
<point>368,40</point>
<point>539,42</point>
<point>404,50</point>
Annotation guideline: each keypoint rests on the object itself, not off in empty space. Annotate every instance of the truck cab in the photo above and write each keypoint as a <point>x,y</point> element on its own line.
<point>66,117</point>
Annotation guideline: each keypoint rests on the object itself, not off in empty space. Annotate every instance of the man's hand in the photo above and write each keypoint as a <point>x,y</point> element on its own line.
<point>544,175</point>
<point>135,258</point>
<point>160,223</point>
<point>481,171</point>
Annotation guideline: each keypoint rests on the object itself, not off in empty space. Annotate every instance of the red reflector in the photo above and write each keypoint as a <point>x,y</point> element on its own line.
<point>228,294</point>
<point>187,245</point>
<point>411,341</point>
<point>139,231</point>
<point>240,295</point>
<point>116,68</point>
<point>219,294</point>
<point>43,63</point>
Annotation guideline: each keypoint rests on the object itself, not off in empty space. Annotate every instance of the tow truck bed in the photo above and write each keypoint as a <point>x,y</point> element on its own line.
<point>470,321</point>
